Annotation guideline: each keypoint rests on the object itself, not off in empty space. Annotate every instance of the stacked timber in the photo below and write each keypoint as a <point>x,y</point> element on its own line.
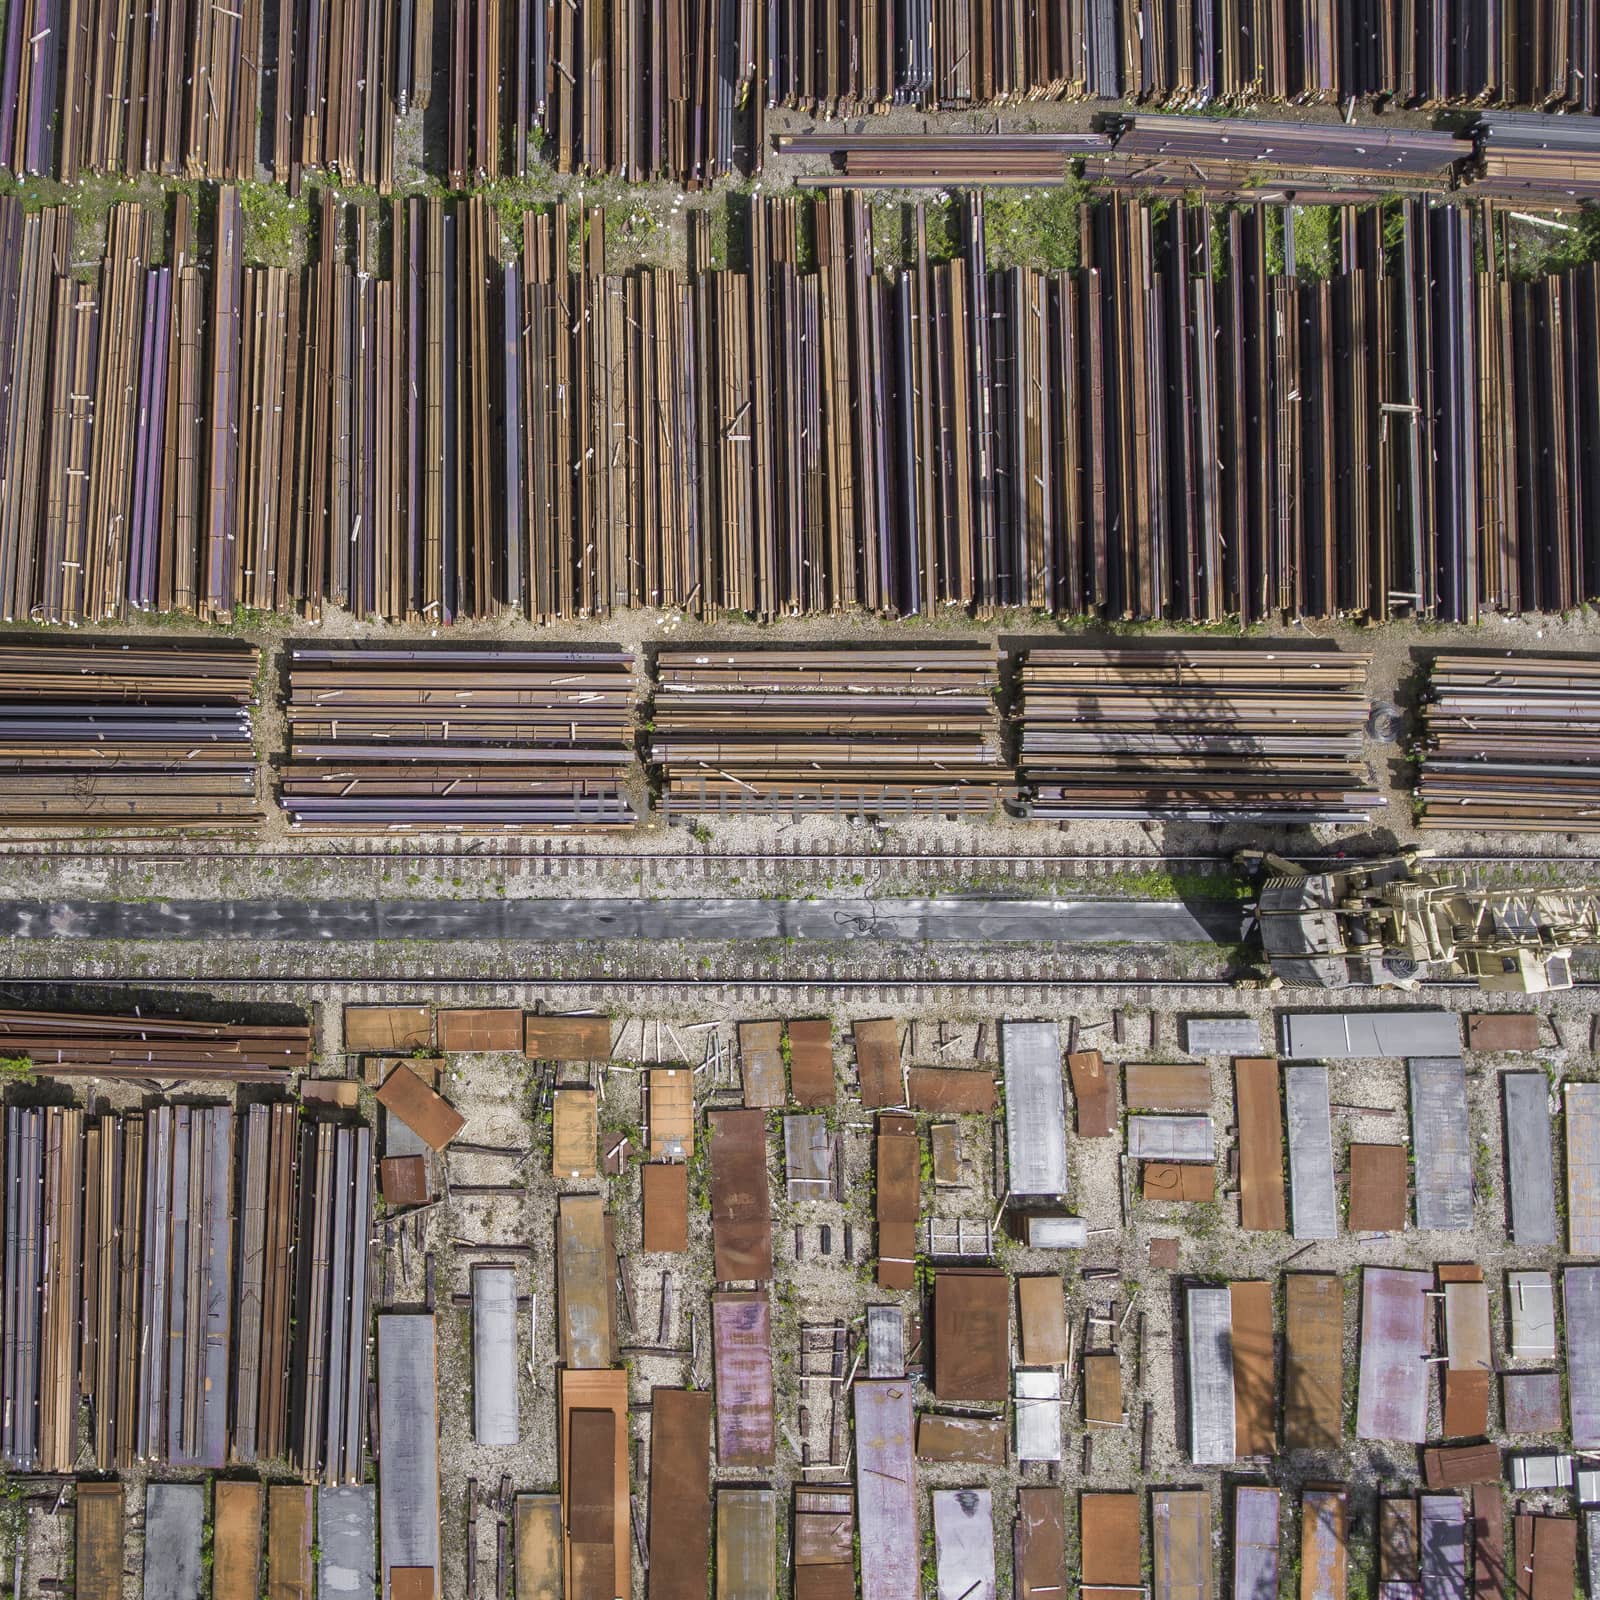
<point>328,1372</point>
<point>64,1044</point>
<point>1511,742</point>
<point>104,734</point>
<point>460,738</point>
<point>829,731</point>
<point>1196,735</point>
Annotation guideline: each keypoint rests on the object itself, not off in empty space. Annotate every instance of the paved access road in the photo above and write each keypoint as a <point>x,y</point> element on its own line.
<point>952,921</point>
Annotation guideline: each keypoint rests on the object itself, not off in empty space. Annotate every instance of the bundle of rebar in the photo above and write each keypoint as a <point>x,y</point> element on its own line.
<point>1511,742</point>
<point>69,1044</point>
<point>497,738</point>
<point>836,731</point>
<point>106,734</point>
<point>1173,735</point>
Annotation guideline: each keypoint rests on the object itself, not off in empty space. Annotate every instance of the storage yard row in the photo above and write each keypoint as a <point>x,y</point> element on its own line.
<point>508,738</point>
<point>681,89</point>
<point>475,433</point>
<point>1041,1376</point>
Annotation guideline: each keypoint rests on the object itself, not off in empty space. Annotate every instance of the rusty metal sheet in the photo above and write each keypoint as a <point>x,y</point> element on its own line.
<point>1379,1178</point>
<point>1532,1402</point>
<point>1180,1536</point>
<point>824,1524</point>
<point>566,1038</point>
<point>1255,1542</point>
<point>899,1187</point>
<point>413,1583</point>
<point>343,1094</point>
<point>1555,1557</point>
<point>235,1541</point>
<point>1466,1404</point>
<point>1323,1518</point>
<point>1255,1397</point>
<point>1488,1543</point>
<point>761,1062</point>
<point>811,1079</point>
<point>1036,1112</point>
<point>1042,1319</point>
<point>741,1328</point>
<point>1502,1030</point>
<point>1466,1324</point>
<point>886,1490</point>
<point>944,1141</point>
<point>387,1030</point>
<point>808,1156</point>
<point>1313,1366</point>
<point>1456,1466</point>
<point>403,1180</point>
<point>97,1542</point>
<point>603,1390</point>
<point>878,1063</point>
<point>671,1091</point>
<point>747,1544</point>
<point>825,1583</point>
<point>1102,1389</point>
<point>432,1119</point>
<point>1184,1181</point>
<point>592,1507</point>
<point>1392,1401</point>
<point>975,1441</point>
<point>469,1031</point>
<point>585,1271</point>
<point>1039,1544</point>
<point>963,1544</point>
<point>1583,1168</point>
<point>538,1537</point>
<point>1262,1206</point>
<point>956,1091</point>
<point>290,1570</point>
<point>665,1198</point>
<point>575,1134</point>
<point>741,1205</point>
<point>1094,1094</point>
<point>971,1333</point>
<point>1112,1554</point>
<point>680,1493</point>
<point>1182,1086</point>
<point>1398,1559</point>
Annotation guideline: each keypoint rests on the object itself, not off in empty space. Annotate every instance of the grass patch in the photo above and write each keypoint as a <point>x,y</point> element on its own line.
<point>274,225</point>
<point>1032,229</point>
<point>1316,241</point>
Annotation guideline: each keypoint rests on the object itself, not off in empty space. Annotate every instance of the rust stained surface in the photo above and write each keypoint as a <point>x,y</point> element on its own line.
<point>747,1543</point>
<point>1180,1534</point>
<point>342,1093</point>
<point>1466,1404</point>
<point>1185,1181</point>
<point>977,1441</point>
<point>1457,1466</point>
<point>899,1189</point>
<point>235,1540</point>
<point>824,1528</point>
<point>592,1506</point>
<point>1184,1086</point>
<point>1258,1088</point>
<point>1323,1556</point>
<point>1379,1177</point>
<point>761,1062</point>
<point>886,1490</point>
<point>1102,1389</point>
<point>741,1205</point>
<point>469,1031</point>
<point>1255,1396</point>
<point>97,1542</point>
<point>1042,1319</point>
<point>1532,1402</point>
<point>1093,1093</point>
<point>604,1390</point>
<point>567,1038</point>
<point>538,1538</point>
<point>433,1120</point>
<point>878,1063</point>
<point>575,1133</point>
<point>811,1080</point>
<point>680,1493</point>
<point>289,1565</point>
<point>665,1198</point>
<point>1488,1543</point>
<point>1554,1556</point>
<point>1039,1544</point>
<point>1502,1030</point>
<point>671,1091</point>
<point>585,1273</point>
<point>387,1030</point>
<point>1112,1557</point>
<point>958,1091</point>
<point>1392,1396</point>
<point>403,1180</point>
<point>971,1333</point>
<point>1313,1368</point>
<point>1398,1552</point>
<point>741,1330</point>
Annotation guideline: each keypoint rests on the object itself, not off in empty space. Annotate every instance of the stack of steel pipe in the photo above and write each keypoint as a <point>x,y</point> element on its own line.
<point>147,736</point>
<point>832,731</point>
<point>1257,735</point>
<point>1511,742</point>
<point>68,1044</point>
<point>497,738</point>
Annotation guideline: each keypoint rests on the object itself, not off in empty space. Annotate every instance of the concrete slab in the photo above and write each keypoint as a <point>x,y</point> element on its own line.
<point>174,1517</point>
<point>408,1435</point>
<point>347,1540</point>
<point>1036,1109</point>
<point>1038,1411</point>
<point>1158,1138</point>
<point>1531,1306</point>
<point>1208,1351</point>
<point>1441,1142</point>
<point>1315,1212</point>
<point>886,1342</point>
<point>495,1366</point>
<point>963,1543</point>
<point>1222,1036</point>
<point>1369,1035</point>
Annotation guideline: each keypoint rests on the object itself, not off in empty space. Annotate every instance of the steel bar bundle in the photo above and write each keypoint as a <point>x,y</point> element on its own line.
<point>1536,160</point>
<point>64,1044</point>
<point>104,733</point>
<point>931,161</point>
<point>497,738</point>
<point>829,730</point>
<point>328,1371</point>
<point>1510,742</point>
<point>1196,735</point>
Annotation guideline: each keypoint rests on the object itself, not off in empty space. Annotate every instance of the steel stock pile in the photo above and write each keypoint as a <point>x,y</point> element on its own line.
<point>193,439</point>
